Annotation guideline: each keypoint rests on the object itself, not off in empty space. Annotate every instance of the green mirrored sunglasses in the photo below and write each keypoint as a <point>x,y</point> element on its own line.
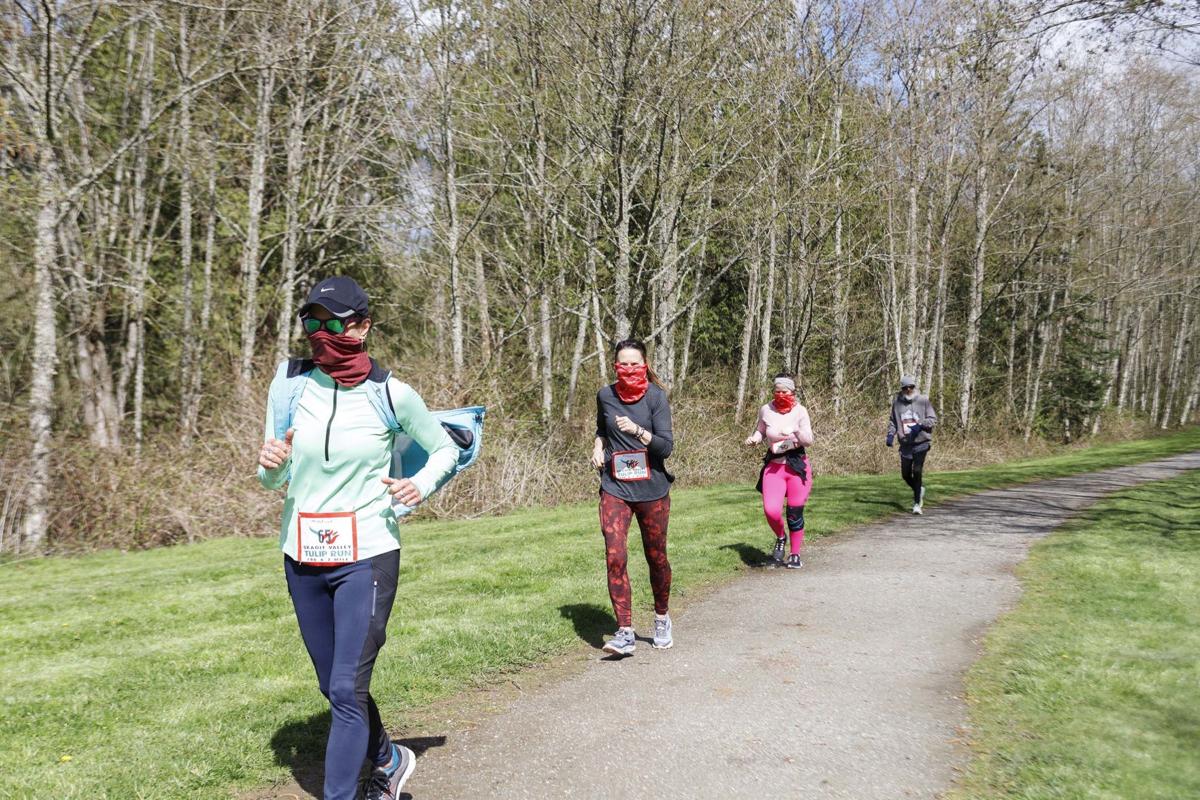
<point>312,325</point>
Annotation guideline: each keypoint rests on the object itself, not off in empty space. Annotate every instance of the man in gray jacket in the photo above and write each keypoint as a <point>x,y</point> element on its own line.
<point>912,422</point>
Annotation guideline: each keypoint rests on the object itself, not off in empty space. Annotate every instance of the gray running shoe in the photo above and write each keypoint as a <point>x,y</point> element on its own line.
<point>662,633</point>
<point>622,643</point>
<point>777,554</point>
<point>794,561</point>
<point>381,785</point>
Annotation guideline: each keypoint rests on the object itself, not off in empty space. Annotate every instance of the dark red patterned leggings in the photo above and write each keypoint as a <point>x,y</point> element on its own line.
<point>652,518</point>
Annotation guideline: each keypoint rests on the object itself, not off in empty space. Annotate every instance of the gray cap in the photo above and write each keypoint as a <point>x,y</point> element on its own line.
<point>907,380</point>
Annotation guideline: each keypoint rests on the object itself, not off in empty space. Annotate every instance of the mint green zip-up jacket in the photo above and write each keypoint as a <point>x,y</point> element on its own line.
<point>341,451</point>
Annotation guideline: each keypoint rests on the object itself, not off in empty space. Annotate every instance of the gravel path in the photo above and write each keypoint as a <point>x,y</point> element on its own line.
<point>842,680</point>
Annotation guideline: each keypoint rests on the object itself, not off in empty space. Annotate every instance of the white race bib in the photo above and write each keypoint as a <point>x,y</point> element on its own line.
<point>328,539</point>
<point>631,465</point>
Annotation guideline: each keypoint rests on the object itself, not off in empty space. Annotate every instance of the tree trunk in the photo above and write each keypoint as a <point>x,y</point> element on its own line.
<point>1132,339</point>
<point>768,310</point>
<point>975,309</point>
<point>1193,397</point>
<point>894,311</point>
<point>187,333</point>
<point>624,254</point>
<point>752,310</point>
<point>481,299</point>
<point>1183,343</point>
<point>547,344</point>
<point>450,196</point>
<point>576,356</point>
<point>197,374</point>
<point>41,391</point>
<point>298,114</point>
<point>912,363</point>
<point>1045,334</point>
<point>841,304</point>
<point>250,250</point>
<point>701,260</point>
<point>939,302</point>
<point>594,289</point>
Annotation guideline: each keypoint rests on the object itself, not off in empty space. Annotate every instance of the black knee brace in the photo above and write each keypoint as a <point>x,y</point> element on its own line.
<point>795,518</point>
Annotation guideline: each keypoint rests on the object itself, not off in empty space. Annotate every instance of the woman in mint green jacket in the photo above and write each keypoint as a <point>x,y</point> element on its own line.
<point>339,535</point>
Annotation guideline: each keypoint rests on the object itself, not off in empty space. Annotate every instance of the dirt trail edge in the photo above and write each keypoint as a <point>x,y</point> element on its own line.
<point>842,680</point>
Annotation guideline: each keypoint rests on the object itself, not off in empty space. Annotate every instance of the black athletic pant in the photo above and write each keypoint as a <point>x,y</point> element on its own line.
<point>343,613</point>
<point>912,467</point>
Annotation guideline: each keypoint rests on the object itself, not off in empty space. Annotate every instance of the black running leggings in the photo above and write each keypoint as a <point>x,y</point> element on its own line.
<point>912,468</point>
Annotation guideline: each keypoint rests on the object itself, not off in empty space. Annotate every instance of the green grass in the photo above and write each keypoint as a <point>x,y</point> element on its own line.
<point>179,673</point>
<point>1091,687</point>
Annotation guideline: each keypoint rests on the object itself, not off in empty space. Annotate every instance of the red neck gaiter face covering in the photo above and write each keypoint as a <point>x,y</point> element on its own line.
<point>343,357</point>
<point>631,382</point>
<point>784,402</point>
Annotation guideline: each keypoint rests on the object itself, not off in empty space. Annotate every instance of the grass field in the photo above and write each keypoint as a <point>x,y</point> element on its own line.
<point>179,672</point>
<point>1091,687</point>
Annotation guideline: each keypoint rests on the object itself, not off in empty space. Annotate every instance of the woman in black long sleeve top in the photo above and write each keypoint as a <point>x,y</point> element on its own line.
<point>633,440</point>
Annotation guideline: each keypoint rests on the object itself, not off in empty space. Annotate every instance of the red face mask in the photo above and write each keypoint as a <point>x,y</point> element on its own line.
<point>631,381</point>
<point>784,402</point>
<point>343,357</point>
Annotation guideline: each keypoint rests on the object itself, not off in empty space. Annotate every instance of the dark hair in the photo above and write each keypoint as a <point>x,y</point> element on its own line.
<point>640,346</point>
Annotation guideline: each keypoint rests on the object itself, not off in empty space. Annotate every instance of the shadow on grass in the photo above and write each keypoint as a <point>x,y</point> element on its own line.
<point>897,505</point>
<point>751,556</point>
<point>300,746</point>
<point>1144,514</point>
<point>591,621</point>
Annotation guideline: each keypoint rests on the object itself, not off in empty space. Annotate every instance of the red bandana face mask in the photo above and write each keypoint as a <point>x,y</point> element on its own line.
<point>784,402</point>
<point>631,381</point>
<point>343,357</point>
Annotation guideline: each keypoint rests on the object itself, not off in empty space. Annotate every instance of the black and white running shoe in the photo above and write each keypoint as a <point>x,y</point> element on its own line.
<point>777,554</point>
<point>384,785</point>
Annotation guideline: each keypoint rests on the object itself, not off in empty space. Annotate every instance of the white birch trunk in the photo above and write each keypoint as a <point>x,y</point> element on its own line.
<point>1045,334</point>
<point>1183,342</point>
<point>254,205</point>
<point>187,334</point>
<point>44,362</point>
<point>547,349</point>
<point>841,305</point>
<point>912,362</point>
<point>768,310</point>
<point>581,329</point>
<point>450,191</point>
<point>1193,397</point>
<point>975,308</point>
<point>197,374</point>
<point>291,226</point>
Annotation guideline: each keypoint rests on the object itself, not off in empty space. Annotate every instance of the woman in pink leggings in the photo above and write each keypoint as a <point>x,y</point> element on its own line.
<point>785,426</point>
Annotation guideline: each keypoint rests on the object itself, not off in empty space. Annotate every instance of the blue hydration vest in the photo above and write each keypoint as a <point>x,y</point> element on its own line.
<point>464,425</point>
